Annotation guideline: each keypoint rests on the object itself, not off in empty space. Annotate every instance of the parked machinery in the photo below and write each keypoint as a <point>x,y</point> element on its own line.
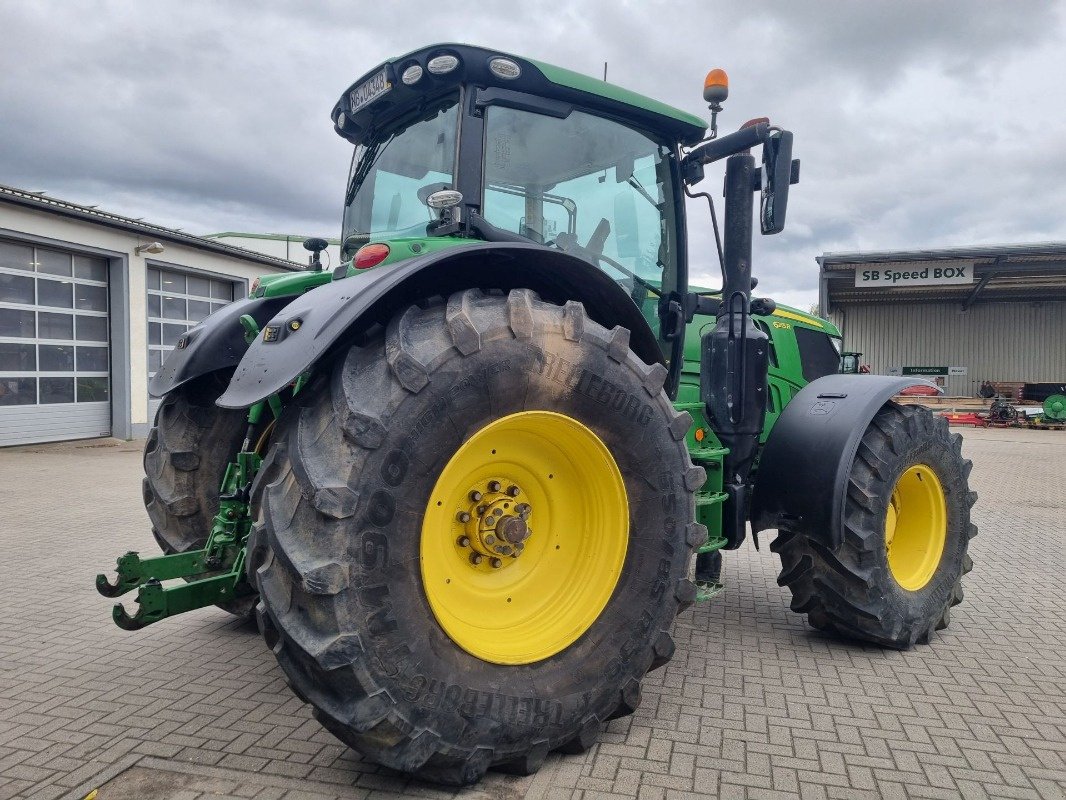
<point>463,475</point>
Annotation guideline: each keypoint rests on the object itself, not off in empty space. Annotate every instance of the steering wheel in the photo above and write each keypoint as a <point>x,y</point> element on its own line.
<point>593,252</point>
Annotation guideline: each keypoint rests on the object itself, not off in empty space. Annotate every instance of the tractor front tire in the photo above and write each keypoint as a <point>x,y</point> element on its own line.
<point>394,590</point>
<point>898,572</point>
<point>185,458</point>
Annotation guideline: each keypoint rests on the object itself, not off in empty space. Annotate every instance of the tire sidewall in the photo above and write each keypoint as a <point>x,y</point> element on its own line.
<point>928,602</point>
<point>441,686</point>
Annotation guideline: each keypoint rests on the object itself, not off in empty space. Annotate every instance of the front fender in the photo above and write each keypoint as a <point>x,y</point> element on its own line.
<point>216,343</point>
<point>803,470</point>
<point>309,327</point>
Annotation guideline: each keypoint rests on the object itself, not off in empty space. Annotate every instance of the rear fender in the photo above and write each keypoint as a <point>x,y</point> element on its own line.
<point>804,467</point>
<point>312,325</point>
<point>216,343</point>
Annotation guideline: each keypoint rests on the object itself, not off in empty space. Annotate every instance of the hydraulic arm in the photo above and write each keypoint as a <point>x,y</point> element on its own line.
<point>215,573</point>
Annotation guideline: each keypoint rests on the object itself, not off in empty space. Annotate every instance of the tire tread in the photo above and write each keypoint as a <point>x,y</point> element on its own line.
<point>295,568</point>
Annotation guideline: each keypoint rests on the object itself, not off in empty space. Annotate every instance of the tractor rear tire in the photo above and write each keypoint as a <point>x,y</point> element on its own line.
<point>364,569</point>
<point>185,457</point>
<point>898,572</point>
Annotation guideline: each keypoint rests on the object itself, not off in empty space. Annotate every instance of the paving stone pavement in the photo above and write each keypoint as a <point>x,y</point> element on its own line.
<point>754,704</point>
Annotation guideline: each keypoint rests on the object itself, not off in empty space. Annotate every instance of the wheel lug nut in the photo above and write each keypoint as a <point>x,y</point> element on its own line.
<point>490,521</point>
<point>494,486</point>
<point>514,491</point>
<point>476,558</point>
<point>463,516</point>
<point>475,495</point>
<point>463,541</point>
<point>497,512</point>
<point>490,539</point>
<point>481,510</point>
<point>496,563</point>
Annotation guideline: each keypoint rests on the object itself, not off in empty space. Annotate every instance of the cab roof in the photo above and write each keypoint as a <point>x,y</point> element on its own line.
<point>534,77</point>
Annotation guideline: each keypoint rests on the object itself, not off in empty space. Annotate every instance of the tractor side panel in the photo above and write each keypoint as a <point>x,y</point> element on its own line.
<point>785,378</point>
<point>306,329</point>
<point>216,343</point>
<point>794,361</point>
<point>806,460</point>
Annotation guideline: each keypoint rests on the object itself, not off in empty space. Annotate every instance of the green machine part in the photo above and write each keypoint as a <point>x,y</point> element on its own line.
<point>786,378</point>
<point>1055,408</point>
<point>213,574</point>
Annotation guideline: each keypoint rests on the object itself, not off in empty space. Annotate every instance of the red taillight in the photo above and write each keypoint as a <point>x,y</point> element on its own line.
<point>370,255</point>
<point>253,288</point>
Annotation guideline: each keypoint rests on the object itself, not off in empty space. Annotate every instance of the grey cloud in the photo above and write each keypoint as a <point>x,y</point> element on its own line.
<point>918,123</point>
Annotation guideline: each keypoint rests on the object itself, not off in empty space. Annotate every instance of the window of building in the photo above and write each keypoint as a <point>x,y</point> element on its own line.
<point>54,343</point>
<point>176,302</point>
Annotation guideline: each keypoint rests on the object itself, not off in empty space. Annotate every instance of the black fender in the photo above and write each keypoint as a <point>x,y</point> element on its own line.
<point>803,470</point>
<point>216,343</point>
<point>309,327</point>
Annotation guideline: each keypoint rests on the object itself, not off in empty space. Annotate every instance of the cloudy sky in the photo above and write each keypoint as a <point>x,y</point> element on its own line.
<point>918,123</point>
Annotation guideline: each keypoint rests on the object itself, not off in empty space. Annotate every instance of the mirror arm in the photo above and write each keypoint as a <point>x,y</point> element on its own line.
<point>723,146</point>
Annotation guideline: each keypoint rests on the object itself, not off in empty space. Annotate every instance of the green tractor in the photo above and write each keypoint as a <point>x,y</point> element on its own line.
<point>463,475</point>
<point>851,363</point>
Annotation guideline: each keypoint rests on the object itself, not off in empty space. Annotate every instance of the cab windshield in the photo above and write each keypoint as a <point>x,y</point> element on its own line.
<point>395,170</point>
<point>585,184</point>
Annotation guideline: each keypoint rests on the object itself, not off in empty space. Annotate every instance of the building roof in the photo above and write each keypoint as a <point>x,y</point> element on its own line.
<point>277,237</point>
<point>1000,272</point>
<point>38,201</point>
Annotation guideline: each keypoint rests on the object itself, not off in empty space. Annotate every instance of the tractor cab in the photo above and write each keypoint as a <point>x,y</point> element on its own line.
<point>454,143</point>
<point>850,363</point>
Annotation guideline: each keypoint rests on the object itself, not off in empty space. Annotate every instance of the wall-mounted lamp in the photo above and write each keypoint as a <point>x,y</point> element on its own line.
<point>154,248</point>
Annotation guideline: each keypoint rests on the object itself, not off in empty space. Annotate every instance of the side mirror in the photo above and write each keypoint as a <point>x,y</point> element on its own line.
<point>779,171</point>
<point>315,246</point>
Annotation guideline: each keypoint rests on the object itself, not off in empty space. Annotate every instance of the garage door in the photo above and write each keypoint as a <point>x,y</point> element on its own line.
<point>54,354</point>
<point>176,302</point>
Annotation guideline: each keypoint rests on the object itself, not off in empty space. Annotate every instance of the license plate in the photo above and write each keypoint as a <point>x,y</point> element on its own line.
<point>368,92</point>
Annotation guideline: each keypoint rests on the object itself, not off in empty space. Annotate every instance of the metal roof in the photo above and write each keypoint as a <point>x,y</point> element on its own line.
<point>968,252</point>
<point>275,237</point>
<point>1001,273</point>
<point>52,205</point>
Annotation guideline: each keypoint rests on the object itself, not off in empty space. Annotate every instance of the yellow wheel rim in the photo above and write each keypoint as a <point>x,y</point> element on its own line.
<point>916,527</point>
<point>524,537</point>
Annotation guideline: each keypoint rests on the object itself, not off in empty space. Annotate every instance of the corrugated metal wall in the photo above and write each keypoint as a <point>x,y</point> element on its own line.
<point>994,341</point>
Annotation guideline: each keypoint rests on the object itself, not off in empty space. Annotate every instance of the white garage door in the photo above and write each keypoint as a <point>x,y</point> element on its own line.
<point>54,354</point>
<point>176,302</point>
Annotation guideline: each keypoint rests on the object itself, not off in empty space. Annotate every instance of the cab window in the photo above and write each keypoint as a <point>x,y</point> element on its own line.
<point>585,181</point>
<point>396,170</point>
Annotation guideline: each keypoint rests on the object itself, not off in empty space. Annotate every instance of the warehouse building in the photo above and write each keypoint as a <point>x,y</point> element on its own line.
<point>958,316</point>
<point>90,303</point>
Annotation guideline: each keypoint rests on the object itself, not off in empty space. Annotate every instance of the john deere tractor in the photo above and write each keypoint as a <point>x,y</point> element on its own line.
<point>464,474</point>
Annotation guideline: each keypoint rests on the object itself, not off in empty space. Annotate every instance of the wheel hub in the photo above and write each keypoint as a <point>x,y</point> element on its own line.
<point>524,537</point>
<point>493,530</point>
<point>915,527</point>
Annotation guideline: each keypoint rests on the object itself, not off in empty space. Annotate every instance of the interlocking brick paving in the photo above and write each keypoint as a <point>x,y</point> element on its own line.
<point>755,704</point>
